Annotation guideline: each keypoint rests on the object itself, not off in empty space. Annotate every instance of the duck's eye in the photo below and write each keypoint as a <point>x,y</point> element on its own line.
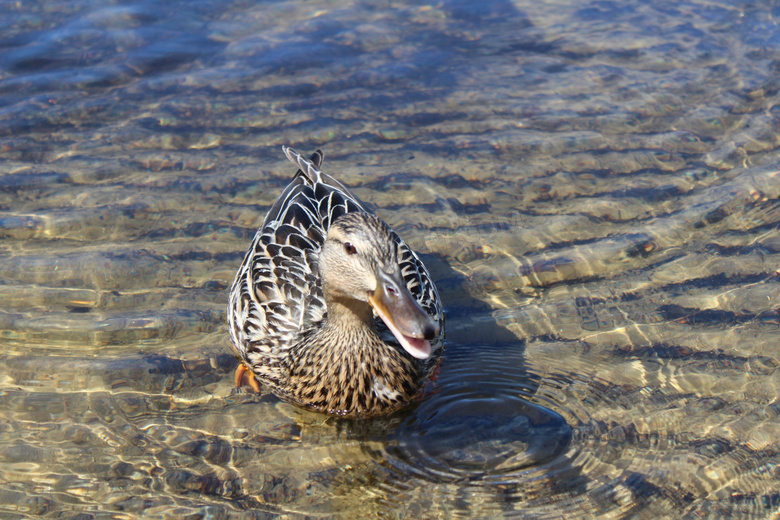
<point>349,248</point>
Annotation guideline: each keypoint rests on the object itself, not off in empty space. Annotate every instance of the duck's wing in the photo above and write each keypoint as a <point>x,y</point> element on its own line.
<point>335,199</point>
<point>277,293</point>
<point>418,280</point>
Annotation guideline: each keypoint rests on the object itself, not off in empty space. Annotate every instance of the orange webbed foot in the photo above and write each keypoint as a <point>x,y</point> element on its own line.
<point>430,387</point>
<point>244,376</point>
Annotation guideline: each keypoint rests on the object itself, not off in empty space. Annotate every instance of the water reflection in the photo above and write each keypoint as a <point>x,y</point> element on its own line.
<point>593,186</point>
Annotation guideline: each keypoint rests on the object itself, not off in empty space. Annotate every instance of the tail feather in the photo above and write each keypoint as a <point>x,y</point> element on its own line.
<point>309,168</point>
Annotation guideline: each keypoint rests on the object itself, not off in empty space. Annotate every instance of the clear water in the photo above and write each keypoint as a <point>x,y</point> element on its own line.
<point>593,186</point>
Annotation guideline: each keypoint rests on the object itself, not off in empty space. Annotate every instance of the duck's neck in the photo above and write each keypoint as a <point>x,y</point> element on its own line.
<point>349,315</point>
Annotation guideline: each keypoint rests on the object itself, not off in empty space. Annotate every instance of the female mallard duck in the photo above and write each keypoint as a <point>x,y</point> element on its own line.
<point>330,309</point>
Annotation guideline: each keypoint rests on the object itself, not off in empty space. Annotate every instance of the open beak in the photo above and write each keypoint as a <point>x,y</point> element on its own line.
<point>408,322</point>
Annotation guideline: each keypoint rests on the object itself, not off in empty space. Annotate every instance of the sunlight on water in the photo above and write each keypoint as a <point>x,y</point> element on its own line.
<point>593,186</point>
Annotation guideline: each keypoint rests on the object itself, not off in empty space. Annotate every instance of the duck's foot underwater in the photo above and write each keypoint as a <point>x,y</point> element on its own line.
<point>244,376</point>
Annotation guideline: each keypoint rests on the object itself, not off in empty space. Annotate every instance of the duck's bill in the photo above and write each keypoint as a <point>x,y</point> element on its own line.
<point>408,322</point>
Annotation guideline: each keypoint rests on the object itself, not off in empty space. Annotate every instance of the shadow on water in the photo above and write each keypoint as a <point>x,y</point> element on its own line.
<point>477,424</point>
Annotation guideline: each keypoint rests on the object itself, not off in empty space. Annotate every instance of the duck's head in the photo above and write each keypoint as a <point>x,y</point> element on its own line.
<point>359,265</point>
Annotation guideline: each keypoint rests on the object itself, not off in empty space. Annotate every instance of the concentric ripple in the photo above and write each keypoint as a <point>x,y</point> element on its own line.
<point>478,428</point>
<point>480,437</point>
<point>504,430</point>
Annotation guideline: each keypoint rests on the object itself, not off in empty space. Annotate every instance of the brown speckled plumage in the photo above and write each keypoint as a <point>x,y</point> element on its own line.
<point>345,361</point>
<point>337,380</point>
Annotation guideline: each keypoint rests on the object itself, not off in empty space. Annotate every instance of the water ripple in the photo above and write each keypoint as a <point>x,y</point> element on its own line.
<point>594,186</point>
<point>504,430</point>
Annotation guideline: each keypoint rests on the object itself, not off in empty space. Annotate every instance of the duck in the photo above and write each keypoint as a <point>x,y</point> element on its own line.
<point>330,310</point>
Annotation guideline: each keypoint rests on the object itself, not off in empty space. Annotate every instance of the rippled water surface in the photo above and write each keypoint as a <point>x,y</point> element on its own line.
<point>593,186</point>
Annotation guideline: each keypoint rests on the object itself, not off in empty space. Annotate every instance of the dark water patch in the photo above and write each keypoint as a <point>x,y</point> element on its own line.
<point>706,317</point>
<point>430,118</point>
<point>533,47</point>
<point>656,194</point>
<point>396,181</point>
<point>467,209</point>
<point>297,90</point>
<point>713,217</point>
<point>20,181</point>
<point>759,247</point>
<point>456,181</point>
<point>441,204</point>
<point>186,481</point>
<point>677,352</point>
<point>723,361</point>
<point>637,243</point>
<point>720,280</point>
<point>643,249</point>
<point>195,230</point>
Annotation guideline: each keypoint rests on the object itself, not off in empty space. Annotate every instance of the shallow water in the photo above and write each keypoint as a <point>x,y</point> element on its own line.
<point>593,186</point>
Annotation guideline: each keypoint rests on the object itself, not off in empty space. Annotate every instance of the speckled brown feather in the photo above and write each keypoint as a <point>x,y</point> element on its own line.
<point>327,380</point>
<point>277,308</point>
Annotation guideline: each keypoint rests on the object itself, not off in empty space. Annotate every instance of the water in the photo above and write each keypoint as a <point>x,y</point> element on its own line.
<point>593,185</point>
